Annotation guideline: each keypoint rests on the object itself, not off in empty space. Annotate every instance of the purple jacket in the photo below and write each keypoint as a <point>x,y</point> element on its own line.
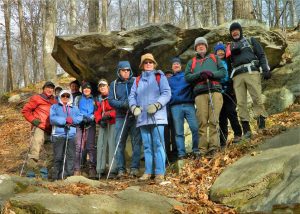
<point>149,91</point>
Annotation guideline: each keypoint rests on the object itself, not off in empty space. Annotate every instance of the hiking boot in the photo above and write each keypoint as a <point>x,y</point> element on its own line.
<point>159,179</point>
<point>134,173</point>
<point>121,174</point>
<point>77,173</point>
<point>92,173</point>
<point>145,177</point>
<point>246,129</point>
<point>44,173</point>
<point>210,154</point>
<point>112,176</point>
<point>181,157</point>
<point>261,123</point>
<point>30,174</point>
<point>237,139</point>
<point>196,155</point>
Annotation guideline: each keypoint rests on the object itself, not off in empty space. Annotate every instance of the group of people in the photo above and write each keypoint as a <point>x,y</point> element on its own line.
<point>205,94</point>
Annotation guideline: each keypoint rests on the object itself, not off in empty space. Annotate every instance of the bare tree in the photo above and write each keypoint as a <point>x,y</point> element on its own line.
<point>277,13</point>
<point>220,12</point>
<point>48,41</point>
<point>139,13</point>
<point>150,12</point>
<point>206,13</point>
<point>93,11</point>
<point>187,14</point>
<point>156,11</point>
<point>121,15</point>
<point>104,15</point>
<point>23,45</point>
<point>293,14</point>
<point>242,9</point>
<point>9,76</point>
<point>72,17</point>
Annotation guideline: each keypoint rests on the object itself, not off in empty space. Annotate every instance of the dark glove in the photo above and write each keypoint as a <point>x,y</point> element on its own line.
<point>267,75</point>
<point>103,123</point>
<point>153,108</point>
<point>69,120</point>
<point>106,117</point>
<point>207,74</point>
<point>36,122</point>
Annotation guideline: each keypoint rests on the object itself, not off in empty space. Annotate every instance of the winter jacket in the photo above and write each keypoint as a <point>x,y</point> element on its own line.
<point>104,109</point>
<point>149,91</point>
<point>86,105</point>
<point>119,92</point>
<point>38,107</point>
<point>245,51</point>
<point>182,92</point>
<point>208,64</point>
<point>58,115</point>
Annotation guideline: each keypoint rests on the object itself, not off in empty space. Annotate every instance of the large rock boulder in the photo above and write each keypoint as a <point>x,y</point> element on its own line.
<point>94,56</point>
<point>265,182</point>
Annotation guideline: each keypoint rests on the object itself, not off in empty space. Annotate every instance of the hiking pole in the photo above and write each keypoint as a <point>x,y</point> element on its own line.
<point>160,138</point>
<point>30,144</point>
<point>119,140</point>
<point>65,155</point>
<point>213,109</point>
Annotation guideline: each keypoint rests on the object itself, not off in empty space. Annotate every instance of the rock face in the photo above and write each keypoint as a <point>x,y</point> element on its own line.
<point>268,181</point>
<point>26,196</point>
<point>94,56</point>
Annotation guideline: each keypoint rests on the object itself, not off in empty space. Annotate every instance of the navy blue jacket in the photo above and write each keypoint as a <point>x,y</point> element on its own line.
<point>182,92</point>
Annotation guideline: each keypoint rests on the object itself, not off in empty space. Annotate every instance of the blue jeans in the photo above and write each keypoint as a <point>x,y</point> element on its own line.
<point>187,111</point>
<point>136,142</point>
<point>154,149</point>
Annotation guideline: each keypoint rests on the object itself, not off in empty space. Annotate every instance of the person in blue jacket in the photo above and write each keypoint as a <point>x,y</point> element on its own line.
<point>228,110</point>
<point>125,120</point>
<point>147,100</point>
<point>182,107</point>
<point>63,118</point>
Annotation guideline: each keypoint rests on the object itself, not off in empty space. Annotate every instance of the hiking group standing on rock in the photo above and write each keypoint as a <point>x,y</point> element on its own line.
<point>206,94</point>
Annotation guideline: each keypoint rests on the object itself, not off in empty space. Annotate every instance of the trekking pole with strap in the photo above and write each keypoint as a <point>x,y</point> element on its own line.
<point>160,138</point>
<point>213,109</point>
<point>65,153</point>
<point>119,140</point>
<point>30,144</point>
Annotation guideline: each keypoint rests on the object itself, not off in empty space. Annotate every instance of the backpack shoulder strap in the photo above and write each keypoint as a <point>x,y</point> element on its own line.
<point>157,77</point>
<point>77,100</point>
<point>115,94</point>
<point>194,61</point>
<point>137,80</point>
<point>213,57</point>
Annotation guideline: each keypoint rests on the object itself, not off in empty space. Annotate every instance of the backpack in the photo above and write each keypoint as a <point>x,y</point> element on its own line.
<point>195,60</point>
<point>157,77</point>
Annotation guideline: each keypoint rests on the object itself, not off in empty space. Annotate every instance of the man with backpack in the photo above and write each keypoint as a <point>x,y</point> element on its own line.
<point>204,72</point>
<point>125,120</point>
<point>247,56</point>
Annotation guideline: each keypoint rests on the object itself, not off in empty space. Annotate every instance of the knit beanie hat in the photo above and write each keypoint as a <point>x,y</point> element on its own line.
<point>219,46</point>
<point>49,84</point>
<point>200,40</point>
<point>86,85</point>
<point>176,60</point>
<point>234,26</point>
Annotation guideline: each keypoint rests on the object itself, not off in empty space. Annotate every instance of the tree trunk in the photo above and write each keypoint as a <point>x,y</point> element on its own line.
<point>93,11</point>
<point>293,14</point>
<point>139,13</point>
<point>206,13</point>
<point>72,17</point>
<point>49,36</point>
<point>220,12</point>
<point>34,45</point>
<point>150,13</point>
<point>242,9</point>
<point>121,16</point>
<point>156,11</point>
<point>9,75</point>
<point>104,15</point>
<point>172,12</point>
<point>23,45</point>
<point>187,14</point>
<point>258,10</point>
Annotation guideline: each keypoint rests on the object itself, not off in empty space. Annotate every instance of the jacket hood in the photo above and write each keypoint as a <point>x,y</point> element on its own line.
<point>124,65</point>
<point>234,26</point>
<point>66,92</point>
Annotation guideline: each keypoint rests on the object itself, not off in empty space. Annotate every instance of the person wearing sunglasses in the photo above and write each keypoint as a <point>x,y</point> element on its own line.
<point>63,118</point>
<point>118,99</point>
<point>147,100</point>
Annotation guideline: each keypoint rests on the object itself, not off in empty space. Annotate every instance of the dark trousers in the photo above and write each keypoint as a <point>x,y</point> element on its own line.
<point>228,111</point>
<point>59,144</point>
<point>169,136</point>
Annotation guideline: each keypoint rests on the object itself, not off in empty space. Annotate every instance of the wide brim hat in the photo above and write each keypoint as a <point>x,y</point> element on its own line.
<point>147,56</point>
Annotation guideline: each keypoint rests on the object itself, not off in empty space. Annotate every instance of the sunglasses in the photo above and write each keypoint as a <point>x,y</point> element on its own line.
<point>148,62</point>
<point>125,70</point>
<point>65,96</point>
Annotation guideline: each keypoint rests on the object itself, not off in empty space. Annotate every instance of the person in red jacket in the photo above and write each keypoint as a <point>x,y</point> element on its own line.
<point>105,116</point>
<point>37,112</point>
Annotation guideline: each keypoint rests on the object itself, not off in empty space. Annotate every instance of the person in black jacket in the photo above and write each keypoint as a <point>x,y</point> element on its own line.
<point>247,57</point>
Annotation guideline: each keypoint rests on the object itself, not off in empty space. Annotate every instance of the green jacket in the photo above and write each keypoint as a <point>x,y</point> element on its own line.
<point>208,64</point>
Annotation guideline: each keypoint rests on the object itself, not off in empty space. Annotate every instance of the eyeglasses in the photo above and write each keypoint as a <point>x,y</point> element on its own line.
<point>148,62</point>
<point>125,70</point>
<point>65,96</point>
